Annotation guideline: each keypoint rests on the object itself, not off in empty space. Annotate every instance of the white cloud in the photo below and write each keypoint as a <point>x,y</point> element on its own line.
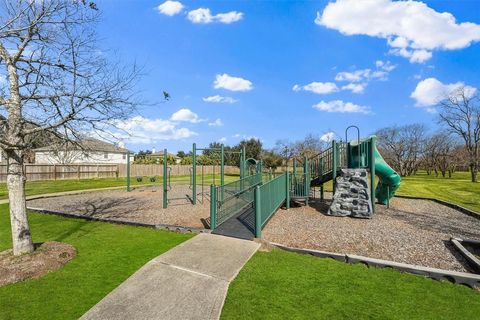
<point>170,8</point>
<point>228,82</point>
<point>200,15</point>
<point>430,92</point>
<point>317,87</point>
<point>355,87</point>
<point>411,28</point>
<point>216,123</point>
<point>229,17</point>
<point>219,99</point>
<point>245,137</point>
<point>360,78</point>
<point>143,130</point>
<point>384,65</point>
<point>223,139</point>
<point>327,137</point>
<point>383,68</point>
<point>355,76</point>
<point>414,56</point>
<point>203,15</point>
<point>341,107</point>
<point>185,115</point>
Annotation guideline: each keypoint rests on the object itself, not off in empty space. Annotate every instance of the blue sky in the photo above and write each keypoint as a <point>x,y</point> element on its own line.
<point>288,71</point>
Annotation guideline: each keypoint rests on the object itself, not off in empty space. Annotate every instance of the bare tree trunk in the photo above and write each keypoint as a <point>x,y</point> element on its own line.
<point>21,238</point>
<point>474,172</point>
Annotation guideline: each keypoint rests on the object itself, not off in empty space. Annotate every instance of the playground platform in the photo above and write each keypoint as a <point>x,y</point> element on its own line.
<point>241,225</point>
<point>188,282</point>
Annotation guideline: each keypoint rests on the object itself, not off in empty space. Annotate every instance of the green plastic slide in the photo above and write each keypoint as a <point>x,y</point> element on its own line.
<point>388,179</point>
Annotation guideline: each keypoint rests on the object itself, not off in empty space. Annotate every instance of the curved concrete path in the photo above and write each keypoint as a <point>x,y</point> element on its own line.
<point>188,282</point>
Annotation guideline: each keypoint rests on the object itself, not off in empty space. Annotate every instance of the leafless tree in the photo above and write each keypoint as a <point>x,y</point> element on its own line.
<point>460,113</point>
<point>431,152</point>
<point>403,146</point>
<point>285,149</point>
<point>309,146</point>
<point>56,81</point>
<point>446,157</point>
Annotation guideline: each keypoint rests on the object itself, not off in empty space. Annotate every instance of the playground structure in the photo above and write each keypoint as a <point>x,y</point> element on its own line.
<point>244,165</point>
<point>253,196</point>
<point>257,196</point>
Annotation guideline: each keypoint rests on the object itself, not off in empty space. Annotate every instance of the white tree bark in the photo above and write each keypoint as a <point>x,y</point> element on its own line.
<point>58,87</point>
<point>21,238</point>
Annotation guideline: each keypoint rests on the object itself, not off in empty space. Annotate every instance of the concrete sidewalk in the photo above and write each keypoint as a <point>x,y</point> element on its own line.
<point>188,282</point>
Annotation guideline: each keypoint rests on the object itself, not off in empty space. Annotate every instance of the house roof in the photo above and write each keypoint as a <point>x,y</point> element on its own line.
<point>160,153</point>
<point>89,144</point>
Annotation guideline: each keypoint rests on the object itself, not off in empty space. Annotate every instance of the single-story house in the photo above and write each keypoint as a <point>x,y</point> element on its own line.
<point>86,151</point>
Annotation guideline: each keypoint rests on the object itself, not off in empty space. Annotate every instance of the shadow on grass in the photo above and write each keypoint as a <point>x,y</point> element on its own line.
<point>74,229</point>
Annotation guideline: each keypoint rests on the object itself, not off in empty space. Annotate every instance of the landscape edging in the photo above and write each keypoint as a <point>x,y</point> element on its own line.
<point>472,260</point>
<point>469,279</point>
<point>168,227</point>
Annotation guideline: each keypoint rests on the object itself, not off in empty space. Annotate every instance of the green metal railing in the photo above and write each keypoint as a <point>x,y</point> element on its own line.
<point>327,162</point>
<point>268,199</point>
<point>231,198</point>
<point>300,186</point>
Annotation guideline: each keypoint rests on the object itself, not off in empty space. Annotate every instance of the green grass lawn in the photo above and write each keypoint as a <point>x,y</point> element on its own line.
<point>284,285</point>
<point>51,186</point>
<point>107,255</point>
<point>458,189</point>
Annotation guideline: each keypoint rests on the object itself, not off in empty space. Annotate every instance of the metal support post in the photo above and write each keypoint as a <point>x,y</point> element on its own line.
<point>165,179</point>
<point>213,207</point>
<point>194,174</point>
<point>258,213</point>
<point>128,172</point>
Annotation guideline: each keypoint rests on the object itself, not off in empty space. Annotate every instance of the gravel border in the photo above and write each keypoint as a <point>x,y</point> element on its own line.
<point>413,232</point>
<point>471,259</point>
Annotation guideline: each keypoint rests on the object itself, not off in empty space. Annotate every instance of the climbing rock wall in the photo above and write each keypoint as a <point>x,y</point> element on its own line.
<point>352,196</point>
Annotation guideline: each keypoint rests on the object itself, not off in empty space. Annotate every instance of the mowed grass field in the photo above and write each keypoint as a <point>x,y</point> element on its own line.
<point>285,285</point>
<point>458,189</point>
<point>53,186</point>
<point>107,254</point>
<point>273,285</point>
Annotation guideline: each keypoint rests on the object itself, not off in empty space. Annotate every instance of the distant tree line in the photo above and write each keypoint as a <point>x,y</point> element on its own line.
<point>456,145</point>
<point>410,148</point>
<point>282,154</point>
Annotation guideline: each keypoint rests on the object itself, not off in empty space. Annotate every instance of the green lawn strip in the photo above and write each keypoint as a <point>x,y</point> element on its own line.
<point>284,285</point>
<point>53,186</point>
<point>458,189</point>
<point>107,255</point>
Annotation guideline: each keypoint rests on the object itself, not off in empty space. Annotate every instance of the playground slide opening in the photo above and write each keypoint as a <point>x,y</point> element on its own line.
<point>388,179</point>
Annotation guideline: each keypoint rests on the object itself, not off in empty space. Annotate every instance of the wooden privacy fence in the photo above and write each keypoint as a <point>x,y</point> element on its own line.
<point>36,172</point>
<point>177,170</point>
<point>64,171</point>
